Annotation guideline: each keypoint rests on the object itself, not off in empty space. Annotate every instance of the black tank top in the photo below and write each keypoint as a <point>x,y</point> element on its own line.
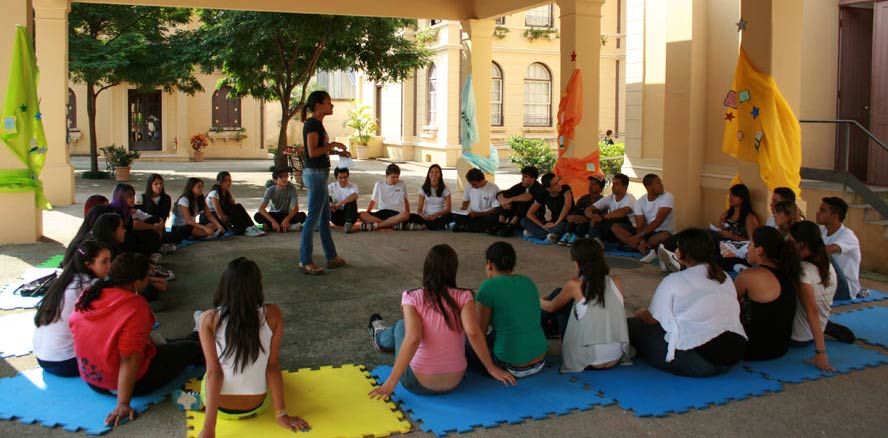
<point>769,325</point>
<point>314,125</point>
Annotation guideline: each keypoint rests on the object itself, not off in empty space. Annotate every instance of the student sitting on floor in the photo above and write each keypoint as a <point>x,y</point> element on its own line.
<point>514,202</point>
<point>588,311</point>
<point>842,246</point>
<point>577,222</point>
<point>786,214</point>
<point>232,216</point>
<point>767,294</point>
<point>816,291</point>
<point>510,304</point>
<point>111,324</point>
<point>558,199</point>
<point>390,198</point>
<point>94,201</point>
<point>433,211</point>
<point>429,343</point>
<point>735,224</point>
<point>241,342</point>
<point>344,200</point>
<point>654,221</point>
<point>53,345</point>
<point>189,205</point>
<point>613,209</point>
<point>780,194</point>
<point>692,327</point>
<point>157,204</point>
<point>85,230</point>
<point>141,236</point>
<point>479,204</point>
<point>279,209</point>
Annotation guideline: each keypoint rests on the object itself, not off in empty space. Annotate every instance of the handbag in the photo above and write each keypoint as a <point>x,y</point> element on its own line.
<point>38,287</point>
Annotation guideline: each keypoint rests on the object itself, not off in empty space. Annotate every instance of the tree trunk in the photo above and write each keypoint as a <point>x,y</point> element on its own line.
<point>279,161</point>
<point>91,115</point>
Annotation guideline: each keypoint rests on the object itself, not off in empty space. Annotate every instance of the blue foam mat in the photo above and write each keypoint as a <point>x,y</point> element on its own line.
<point>480,401</point>
<point>610,249</point>
<point>792,368</point>
<point>68,401</point>
<point>189,242</point>
<point>648,391</point>
<point>17,334</point>
<point>874,295</point>
<point>869,324</point>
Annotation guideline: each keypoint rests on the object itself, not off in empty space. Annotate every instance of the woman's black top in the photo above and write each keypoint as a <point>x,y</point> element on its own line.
<point>314,125</point>
<point>769,325</point>
<point>160,209</point>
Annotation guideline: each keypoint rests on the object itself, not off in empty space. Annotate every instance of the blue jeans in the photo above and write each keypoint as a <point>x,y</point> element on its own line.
<point>391,339</point>
<point>842,290</point>
<point>315,181</point>
<point>540,232</point>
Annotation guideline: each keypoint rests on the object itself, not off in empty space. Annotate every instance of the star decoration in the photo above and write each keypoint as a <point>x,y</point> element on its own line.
<point>24,108</point>
<point>39,116</point>
<point>741,25</point>
<point>729,116</point>
<point>573,56</point>
<point>754,112</point>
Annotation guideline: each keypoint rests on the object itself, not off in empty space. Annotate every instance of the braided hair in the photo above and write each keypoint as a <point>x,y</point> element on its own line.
<point>126,269</point>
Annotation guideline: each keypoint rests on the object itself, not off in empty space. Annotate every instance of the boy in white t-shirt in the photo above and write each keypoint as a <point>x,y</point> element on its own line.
<point>842,246</point>
<point>654,221</point>
<point>390,197</point>
<point>343,200</point>
<point>613,209</point>
<point>480,204</point>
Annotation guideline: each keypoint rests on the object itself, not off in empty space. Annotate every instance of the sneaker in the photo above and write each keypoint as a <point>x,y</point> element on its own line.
<point>451,226</point>
<point>155,258</point>
<point>668,259</point>
<point>572,240</point>
<point>527,233</point>
<point>167,248</point>
<point>196,315</point>
<point>254,232</point>
<point>505,231</point>
<point>187,400</point>
<point>663,267</point>
<point>366,226</point>
<point>215,235</point>
<point>295,227</point>
<point>398,227</point>
<point>552,237</point>
<point>863,293</point>
<point>163,273</point>
<point>564,239</point>
<point>348,227</point>
<point>651,256</point>
<point>374,327</point>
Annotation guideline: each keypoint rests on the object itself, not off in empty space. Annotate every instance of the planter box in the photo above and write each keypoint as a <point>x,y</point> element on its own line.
<point>226,135</point>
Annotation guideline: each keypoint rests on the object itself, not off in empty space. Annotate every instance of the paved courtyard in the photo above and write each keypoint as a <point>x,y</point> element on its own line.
<point>325,316</point>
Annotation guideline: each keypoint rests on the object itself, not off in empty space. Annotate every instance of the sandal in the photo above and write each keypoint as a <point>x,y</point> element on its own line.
<point>311,269</point>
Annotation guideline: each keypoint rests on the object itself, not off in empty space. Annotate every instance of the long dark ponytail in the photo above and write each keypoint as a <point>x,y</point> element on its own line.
<point>695,245</point>
<point>238,298</point>
<point>126,269</point>
<point>776,249</point>
<point>50,308</point>
<point>313,100</point>
<point>438,276</point>
<point>808,233</point>
<point>593,269</point>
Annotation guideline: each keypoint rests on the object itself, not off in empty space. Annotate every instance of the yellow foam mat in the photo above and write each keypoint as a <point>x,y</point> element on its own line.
<point>333,401</point>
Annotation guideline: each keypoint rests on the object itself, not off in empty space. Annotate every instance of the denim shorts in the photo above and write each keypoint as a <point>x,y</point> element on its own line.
<point>409,382</point>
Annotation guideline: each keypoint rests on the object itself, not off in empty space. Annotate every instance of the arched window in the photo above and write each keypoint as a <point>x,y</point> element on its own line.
<point>537,96</point>
<point>432,101</point>
<point>226,110</point>
<point>72,110</point>
<point>496,95</point>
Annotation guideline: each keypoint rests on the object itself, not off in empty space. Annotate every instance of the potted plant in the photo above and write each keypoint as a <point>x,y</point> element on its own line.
<point>199,142</point>
<point>361,120</point>
<point>121,159</point>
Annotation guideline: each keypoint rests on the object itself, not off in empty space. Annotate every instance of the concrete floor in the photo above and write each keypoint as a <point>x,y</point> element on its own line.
<point>326,315</point>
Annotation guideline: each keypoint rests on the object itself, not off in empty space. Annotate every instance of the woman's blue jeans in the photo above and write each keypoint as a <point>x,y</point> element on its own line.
<point>315,181</point>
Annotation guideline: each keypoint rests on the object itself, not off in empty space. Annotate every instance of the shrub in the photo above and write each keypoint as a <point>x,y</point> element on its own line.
<point>611,157</point>
<point>532,152</point>
<point>96,175</point>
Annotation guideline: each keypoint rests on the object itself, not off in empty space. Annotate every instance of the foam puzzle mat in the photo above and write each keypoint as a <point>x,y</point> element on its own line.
<point>189,242</point>
<point>874,295</point>
<point>17,333</point>
<point>869,324</point>
<point>482,402</point>
<point>648,391</point>
<point>792,368</point>
<point>68,402</point>
<point>10,300</point>
<point>333,401</point>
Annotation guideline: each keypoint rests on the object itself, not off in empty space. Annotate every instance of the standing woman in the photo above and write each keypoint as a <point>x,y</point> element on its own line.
<point>315,175</point>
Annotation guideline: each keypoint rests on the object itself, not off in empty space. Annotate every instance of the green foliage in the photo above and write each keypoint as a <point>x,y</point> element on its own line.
<point>361,120</point>
<point>535,33</point>
<point>427,36</point>
<point>500,32</point>
<point>119,156</point>
<point>532,152</point>
<point>273,56</point>
<point>611,157</point>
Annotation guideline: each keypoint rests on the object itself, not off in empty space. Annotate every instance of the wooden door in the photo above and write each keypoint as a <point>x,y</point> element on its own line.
<point>877,172</point>
<point>145,118</point>
<point>855,65</point>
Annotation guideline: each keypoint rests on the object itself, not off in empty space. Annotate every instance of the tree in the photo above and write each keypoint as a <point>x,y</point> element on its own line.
<point>144,46</point>
<point>273,56</point>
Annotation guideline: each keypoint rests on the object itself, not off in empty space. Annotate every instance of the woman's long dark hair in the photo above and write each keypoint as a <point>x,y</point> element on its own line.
<point>126,269</point>
<point>808,233</point>
<point>238,298</point>
<point>195,202</point>
<point>427,185</point>
<point>119,200</point>
<point>313,100</point>
<point>589,255</point>
<point>438,276</point>
<point>695,245</point>
<point>50,308</point>
<point>742,192</point>
<point>104,229</point>
<point>149,192</point>
<point>85,230</point>
<point>776,249</point>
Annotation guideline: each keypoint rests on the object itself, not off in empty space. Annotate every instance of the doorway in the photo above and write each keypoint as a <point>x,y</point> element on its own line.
<point>145,133</point>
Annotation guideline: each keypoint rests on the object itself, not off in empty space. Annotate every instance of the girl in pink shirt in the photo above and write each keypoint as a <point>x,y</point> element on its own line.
<point>429,342</point>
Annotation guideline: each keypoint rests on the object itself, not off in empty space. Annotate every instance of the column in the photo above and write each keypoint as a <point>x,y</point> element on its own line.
<point>51,22</point>
<point>581,34</point>
<point>480,47</point>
